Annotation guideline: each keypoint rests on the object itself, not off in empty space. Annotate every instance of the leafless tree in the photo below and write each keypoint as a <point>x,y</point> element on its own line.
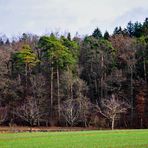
<point>29,112</point>
<point>84,109</point>
<point>3,114</point>
<point>39,92</point>
<point>112,109</point>
<point>70,111</point>
<point>80,90</point>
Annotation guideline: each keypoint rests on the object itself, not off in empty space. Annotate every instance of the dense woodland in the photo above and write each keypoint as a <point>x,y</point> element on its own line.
<point>92,81</point>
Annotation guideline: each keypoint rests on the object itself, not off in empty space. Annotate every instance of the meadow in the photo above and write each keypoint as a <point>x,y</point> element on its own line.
<point>82,139</point>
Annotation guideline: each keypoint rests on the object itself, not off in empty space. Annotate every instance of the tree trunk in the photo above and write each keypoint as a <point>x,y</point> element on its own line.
<point>70,81</point>
<point>141,123</point>
<point>31,125</point>
<point>144,67</point>
<point>102,65</point>
<point>26,74</point>
<point>113,123</point>
<point>19,79</point>
<point>58,92</point>
<point>132,99</point>
<point>51,95</point>
<point>96,88</point>
<point>26,81</point>
<point>101,91</point>
<point>85,120</point>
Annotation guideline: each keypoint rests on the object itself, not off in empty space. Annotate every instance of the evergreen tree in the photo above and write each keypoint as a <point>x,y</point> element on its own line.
<point>138,29</point>
<point>117,30</point>
<point>69,36</point>
<point>1,41</point>
<point>130,29</point>
<point>145,27</point>
<point>97,33</point>
<point>106,35</point>
<point>7,42</point>
<point>24,59</point>
<point>58,58</point>
<point>96,60</point>
<point>71,45</point>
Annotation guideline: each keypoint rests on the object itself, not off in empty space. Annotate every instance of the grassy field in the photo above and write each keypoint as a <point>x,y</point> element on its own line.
<point>84,139</point>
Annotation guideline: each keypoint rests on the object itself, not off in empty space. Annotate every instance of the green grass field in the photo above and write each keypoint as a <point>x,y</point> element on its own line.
<point>83,139</point>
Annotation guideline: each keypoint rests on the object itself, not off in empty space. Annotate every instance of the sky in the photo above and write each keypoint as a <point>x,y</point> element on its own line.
<point>82,16</point>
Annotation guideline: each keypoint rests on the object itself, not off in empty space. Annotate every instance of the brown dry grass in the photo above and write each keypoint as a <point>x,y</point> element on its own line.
<point>7,129</point>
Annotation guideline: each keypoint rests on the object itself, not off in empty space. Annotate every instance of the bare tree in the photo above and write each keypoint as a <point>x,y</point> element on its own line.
<point>29,112</point>
<point>70,111</point>
<point>80,90</point>
<point>84,109</point>
<point>39,92</point>
<point>112,109</point>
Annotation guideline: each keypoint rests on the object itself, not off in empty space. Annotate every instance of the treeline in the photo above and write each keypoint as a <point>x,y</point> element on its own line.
<point>62,81</point>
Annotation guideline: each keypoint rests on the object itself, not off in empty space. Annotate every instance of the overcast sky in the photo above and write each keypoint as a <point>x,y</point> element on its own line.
<point>83,16</point>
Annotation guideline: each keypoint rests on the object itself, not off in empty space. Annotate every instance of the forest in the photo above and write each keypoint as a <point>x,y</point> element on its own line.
<point>99,80</point>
